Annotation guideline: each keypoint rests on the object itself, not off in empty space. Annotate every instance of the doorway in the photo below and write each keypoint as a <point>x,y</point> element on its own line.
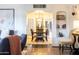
<point>40,19</point>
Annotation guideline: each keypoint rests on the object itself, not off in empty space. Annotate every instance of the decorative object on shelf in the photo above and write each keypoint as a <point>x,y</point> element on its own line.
<point>64,26</point>
<point>60,34</point>
<point>73,13</point>
<point>61,17</point>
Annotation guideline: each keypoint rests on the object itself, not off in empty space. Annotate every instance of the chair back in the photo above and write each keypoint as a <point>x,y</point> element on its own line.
<point>5,47</point>
<point>46,31</point>
<point>11,45</point>
<point>15,45</point>
<point>23,41</point>
<point>32,31</point>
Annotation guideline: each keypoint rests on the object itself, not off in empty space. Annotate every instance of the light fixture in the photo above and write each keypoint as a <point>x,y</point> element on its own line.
<point>74,10</point>
<point>73,13</point>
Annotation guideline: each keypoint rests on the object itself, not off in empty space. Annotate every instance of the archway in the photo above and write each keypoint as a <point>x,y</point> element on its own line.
<point>40,19</point>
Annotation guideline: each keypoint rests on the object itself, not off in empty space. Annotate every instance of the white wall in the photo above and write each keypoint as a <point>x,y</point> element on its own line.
<point>68,9</point>
<point>21,10</point>
<point>69,18</point>
<point>20,16</point>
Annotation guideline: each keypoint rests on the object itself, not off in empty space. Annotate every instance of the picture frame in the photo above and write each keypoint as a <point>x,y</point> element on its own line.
<point>60,17</point>
<point>39,23</point>
<point>7,18</point>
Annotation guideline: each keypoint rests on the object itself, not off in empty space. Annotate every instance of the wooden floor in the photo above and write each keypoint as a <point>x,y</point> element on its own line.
<point>41,48</point>
<point>44,51</point>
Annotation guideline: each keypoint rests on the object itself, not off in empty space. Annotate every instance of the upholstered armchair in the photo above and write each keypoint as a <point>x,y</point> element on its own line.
<point>65,44</point>
<point>10,45</point>
<point>5,47</point>
<point>5,44</point>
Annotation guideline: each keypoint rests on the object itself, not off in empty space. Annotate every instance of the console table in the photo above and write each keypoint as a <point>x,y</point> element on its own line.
<point>76,40</point>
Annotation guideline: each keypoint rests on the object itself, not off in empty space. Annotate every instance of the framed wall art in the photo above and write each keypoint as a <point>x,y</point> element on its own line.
<point>61,23</point>
<point>7,18</point>
<point>7,21</point>
<point>60,17</point>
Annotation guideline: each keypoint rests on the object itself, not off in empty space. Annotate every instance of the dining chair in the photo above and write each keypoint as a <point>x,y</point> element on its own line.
<point>5,47</point>
<point>41,35</point>
<point>32,34</point>
<point>46,33</point>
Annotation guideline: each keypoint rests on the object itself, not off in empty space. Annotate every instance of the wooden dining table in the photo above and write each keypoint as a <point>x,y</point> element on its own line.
<point>75,43</point>
<point>39,35</point>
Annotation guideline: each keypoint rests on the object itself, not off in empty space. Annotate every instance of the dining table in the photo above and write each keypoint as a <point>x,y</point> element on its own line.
<point>76,42</point>
<point>76,39</point>
<point>39,36</point>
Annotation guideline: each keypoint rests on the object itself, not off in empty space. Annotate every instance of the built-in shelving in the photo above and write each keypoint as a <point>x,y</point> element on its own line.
<point>61,25</point>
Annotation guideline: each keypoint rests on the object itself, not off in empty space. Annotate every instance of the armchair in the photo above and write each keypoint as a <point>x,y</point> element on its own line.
<point>23,41</point>
<point>11,45</point>
<point>5,47</point>
<point>65,44</point>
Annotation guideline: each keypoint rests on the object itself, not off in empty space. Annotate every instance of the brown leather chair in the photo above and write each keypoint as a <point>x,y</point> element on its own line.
<point>11,45</point>
<point>15,44</point>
